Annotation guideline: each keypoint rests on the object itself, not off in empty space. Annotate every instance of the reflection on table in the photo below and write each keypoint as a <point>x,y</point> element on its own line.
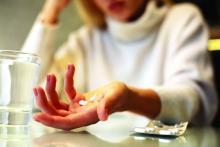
<point>41,136</point>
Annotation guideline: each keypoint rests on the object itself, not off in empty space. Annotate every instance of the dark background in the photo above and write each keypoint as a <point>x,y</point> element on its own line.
<point>210,9</point>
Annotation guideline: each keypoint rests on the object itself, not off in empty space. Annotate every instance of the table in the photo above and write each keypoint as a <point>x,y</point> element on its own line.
<point>41,136</point>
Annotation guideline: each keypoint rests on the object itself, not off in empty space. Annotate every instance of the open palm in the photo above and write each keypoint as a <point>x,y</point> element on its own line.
<point>58,114</point>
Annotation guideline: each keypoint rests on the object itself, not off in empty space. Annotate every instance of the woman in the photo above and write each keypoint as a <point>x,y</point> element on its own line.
<point>155,51</point>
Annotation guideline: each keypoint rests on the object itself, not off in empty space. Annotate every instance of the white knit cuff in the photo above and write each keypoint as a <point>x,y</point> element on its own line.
<point>37,36</point>
<point>178,103</point>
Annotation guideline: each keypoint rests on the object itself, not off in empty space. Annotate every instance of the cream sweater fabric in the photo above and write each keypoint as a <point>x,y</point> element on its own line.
<point>165,49</point>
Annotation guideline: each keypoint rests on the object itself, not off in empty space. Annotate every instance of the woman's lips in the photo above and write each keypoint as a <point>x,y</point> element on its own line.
<point>116,6</point>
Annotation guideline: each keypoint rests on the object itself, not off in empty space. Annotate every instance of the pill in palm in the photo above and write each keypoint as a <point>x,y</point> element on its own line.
<point>93,98</point>
<point>83,102</point>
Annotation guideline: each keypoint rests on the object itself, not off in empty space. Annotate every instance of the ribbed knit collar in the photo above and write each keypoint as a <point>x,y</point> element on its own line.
<point>135,30</point>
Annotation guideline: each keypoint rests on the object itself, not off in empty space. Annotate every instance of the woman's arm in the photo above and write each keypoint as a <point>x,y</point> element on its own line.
<point>117,97</point>
<point>41,37</point>
<point>144,101</point>
<point>114,97</point>
<point>52,10</point>
<point>187,93</point>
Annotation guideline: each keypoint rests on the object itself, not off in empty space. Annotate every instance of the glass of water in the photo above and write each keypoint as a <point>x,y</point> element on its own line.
<point>18,75</point>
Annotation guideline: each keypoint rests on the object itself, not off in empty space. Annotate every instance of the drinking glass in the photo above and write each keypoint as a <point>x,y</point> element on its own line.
<point>18,75</point>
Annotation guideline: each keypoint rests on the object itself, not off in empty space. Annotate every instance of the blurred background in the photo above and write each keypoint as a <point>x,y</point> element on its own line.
<point>18,16</point>
<point>211,12</point>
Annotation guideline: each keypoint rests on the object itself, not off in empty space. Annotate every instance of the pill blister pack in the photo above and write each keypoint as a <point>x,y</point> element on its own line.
<point>158,128</point>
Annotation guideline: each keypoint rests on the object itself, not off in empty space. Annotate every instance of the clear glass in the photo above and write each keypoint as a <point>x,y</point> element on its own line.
<point>18,75</point>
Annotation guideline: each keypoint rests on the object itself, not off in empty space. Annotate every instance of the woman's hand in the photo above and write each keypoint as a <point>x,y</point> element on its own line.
<point>52,9</point>
<point>58,114</point>
<point>108,99</point>
<point>99,104</point>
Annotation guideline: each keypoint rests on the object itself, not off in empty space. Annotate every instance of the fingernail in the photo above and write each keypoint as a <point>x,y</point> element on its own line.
<point>69,66</point>
<point>35,92</point>
<point>52,76</point>
<point>36,118</point>
<point>104,115</point>
<point>48,78</point>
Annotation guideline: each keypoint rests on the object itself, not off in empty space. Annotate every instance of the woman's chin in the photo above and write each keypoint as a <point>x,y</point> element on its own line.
<point>122,18</point>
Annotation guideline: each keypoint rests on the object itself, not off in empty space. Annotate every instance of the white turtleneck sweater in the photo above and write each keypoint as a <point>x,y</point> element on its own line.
<point>165,49</point>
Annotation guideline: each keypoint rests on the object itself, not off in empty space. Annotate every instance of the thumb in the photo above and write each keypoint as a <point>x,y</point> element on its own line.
<point>102,110</point>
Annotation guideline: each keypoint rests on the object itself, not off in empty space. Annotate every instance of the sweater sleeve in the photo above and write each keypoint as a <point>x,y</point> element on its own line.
<point>187,93</point>
<point>40,41</point>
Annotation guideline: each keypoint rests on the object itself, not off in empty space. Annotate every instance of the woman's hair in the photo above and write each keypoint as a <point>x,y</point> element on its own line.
<point>90,14</point>
<point>93,16</point>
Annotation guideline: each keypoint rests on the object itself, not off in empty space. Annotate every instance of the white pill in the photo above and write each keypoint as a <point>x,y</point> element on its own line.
<point>93,98</point>
<point>83,102</point>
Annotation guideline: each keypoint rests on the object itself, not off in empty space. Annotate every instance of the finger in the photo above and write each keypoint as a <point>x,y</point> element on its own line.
<point>63,4</point>
<point>42,102</point>
<point>46,106</point>
<point>105,105</point>
<point>69,122</point>
<point>68,82</point>
<point>52,94</point>
<point>102,110</point>
<point>63,112</point>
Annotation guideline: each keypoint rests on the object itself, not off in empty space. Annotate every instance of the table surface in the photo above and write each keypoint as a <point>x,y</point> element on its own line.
<point>41,136</point>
